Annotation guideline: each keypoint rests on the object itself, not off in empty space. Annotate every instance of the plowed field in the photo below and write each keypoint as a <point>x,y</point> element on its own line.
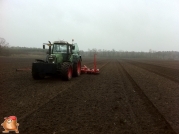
<point>128,96</point>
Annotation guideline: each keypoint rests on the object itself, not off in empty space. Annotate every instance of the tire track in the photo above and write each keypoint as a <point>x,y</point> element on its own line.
<point>89,107</point>
<point>132,115</point>
<point>153,63</point>
<point>53,97</point>
<point>169,73</point>
<point>151,107</point>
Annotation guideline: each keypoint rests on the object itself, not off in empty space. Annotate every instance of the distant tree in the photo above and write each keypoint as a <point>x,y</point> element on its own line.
<point>3,46</point>
<point>3,43</point>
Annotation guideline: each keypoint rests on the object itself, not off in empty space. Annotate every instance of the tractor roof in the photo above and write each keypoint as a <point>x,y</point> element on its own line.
<point>61,42</point>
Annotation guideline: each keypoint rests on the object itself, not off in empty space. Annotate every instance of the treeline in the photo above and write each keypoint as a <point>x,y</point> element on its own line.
<point>8,51</point>
<point>5,50</point>
<point>168,55</point>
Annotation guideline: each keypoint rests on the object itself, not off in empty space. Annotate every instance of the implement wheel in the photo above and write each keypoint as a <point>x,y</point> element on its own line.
<point>77,69</point>
<point>66,71</point>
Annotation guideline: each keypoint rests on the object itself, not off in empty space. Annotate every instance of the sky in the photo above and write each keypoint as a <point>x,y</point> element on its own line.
<point>122,25</point>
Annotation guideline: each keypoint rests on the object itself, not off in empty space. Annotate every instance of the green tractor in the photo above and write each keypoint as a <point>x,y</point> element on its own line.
<point>62,59</point>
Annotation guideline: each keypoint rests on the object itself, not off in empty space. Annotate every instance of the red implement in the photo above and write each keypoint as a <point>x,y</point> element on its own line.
<point>87,70</point>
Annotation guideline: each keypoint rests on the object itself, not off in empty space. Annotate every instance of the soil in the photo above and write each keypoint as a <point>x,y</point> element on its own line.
<point>128,96</point>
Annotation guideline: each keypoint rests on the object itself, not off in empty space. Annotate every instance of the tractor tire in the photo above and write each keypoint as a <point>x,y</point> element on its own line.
<point>66,71</point>
<point>77,69</point>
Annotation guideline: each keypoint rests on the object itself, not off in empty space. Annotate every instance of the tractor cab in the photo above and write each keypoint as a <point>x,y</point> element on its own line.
<point>57,48</point>
<point>59,51</point>
<point>62,47</point>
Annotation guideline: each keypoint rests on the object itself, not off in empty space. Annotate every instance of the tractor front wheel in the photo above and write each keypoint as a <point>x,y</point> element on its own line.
<point>66,71</point>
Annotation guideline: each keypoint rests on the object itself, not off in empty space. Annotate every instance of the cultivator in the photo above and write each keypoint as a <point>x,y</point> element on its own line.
<point>87,70</point>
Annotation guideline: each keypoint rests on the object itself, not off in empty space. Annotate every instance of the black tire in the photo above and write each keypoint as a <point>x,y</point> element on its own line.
<point>66,71</point>
<point>77,69</point>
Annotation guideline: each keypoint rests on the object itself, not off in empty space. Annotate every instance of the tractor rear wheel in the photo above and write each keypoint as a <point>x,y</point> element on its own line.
<point>77,69</point>
<point>66,71</point>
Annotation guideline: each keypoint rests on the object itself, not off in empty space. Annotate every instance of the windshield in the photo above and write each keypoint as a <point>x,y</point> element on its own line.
<point>59,48</point>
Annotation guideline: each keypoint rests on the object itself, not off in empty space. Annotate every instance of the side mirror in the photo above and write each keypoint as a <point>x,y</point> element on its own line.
<point>43,46</point>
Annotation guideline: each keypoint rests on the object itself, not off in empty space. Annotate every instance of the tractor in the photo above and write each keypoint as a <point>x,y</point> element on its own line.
<point>62,59</point>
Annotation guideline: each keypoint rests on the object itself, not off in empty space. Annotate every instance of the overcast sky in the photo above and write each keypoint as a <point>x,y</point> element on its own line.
<point>128,25</point>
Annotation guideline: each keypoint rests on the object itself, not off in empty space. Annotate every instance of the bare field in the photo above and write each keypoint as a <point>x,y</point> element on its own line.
<point>128,96</point>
